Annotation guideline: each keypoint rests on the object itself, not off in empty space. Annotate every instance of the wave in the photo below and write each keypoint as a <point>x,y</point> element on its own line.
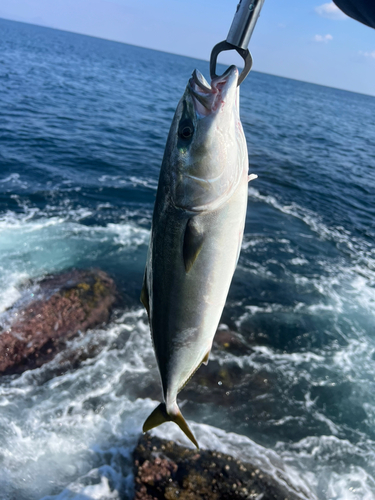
<point>57,424</point>
<point>72,431</point>
<point>338,234</point>
<point>33,244</point>
<point>131,181</point>
<point>342,468</point>
<point>62,427</point>
<point>83,424</point>
<point>337,264</point>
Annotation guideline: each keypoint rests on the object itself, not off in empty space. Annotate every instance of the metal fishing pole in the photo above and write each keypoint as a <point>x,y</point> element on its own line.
<point>239,35</point>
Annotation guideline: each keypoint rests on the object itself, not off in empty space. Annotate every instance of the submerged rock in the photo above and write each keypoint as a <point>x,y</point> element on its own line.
<point>163,469</point>
<point>231,342</point>
<point>61,306</point>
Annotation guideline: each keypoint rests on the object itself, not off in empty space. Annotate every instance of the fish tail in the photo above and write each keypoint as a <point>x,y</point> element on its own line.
<point>161,415</point>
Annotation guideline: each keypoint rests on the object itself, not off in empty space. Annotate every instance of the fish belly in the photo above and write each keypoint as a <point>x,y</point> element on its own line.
<point>185,307</point>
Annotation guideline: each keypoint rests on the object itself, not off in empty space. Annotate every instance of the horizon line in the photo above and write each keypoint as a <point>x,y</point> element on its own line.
<point>180,55</point>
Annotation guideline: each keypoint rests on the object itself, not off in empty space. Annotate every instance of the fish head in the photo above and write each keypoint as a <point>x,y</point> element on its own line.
<point>206,150</point>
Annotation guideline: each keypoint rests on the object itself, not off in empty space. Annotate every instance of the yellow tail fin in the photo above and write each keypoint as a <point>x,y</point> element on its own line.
<point>160,415</point>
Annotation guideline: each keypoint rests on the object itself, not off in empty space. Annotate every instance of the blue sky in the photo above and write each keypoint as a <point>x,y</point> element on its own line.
<point>304,39</point>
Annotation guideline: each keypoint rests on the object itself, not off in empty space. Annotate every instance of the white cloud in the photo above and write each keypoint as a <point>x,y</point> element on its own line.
<point>323,38</point>
<point>367,54</point>
<point>330,11</point>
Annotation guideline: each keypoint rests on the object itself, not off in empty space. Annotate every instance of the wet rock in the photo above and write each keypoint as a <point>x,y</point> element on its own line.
<point>231,342</point>
<point>61,306</point>
<point>163,469</point>
<point>216,381</point>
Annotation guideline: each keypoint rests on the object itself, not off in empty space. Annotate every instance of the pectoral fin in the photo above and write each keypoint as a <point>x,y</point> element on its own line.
<point>193,242</point>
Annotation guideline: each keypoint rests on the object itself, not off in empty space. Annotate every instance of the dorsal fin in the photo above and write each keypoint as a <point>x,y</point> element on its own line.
<point>144,294</point>
<point>193,241</point>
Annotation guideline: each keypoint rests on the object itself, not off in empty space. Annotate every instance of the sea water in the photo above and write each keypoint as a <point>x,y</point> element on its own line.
<point>83,125</point>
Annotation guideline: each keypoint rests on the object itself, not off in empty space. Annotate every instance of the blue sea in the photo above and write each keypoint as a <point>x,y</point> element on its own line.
<point>83,125</point>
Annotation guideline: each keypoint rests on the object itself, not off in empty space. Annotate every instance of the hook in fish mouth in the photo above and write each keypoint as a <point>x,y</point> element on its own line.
<point>244,53</point>
<point>207,97</point>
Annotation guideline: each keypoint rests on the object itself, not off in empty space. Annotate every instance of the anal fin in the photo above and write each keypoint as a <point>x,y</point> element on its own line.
<point>205,359</point>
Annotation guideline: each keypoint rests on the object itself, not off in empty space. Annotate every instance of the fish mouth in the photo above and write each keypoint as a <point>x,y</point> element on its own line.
<point>212,98</point>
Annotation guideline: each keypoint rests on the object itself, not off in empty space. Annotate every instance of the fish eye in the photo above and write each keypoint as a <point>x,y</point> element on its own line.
<point>186,130</point>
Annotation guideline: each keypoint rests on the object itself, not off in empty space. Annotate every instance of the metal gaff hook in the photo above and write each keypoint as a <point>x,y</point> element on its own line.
<point>245,54</point>
<point>239,35</point>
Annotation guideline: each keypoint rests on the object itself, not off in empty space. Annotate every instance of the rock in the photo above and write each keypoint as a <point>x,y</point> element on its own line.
<point>219,382</point>
<point>231,342</point>
<point>163,469</point>
<point>61,306</point>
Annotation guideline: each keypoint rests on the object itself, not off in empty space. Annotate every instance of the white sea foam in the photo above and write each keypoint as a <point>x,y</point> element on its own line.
<point>310,218</point>
<point>9,292</point>
<point>32,244</point>
<point>76,437</point>
<point>290,366</point>
<point>77,425</point>
<point>13,180</point>
<point>133,181</point>
<point>252,242</point>
<point>324,461</point>
<point>347,284</point>
<point>70,433</point>
<point>297,261</point>
<point>12,226</point>
<point>149,182</point>
<point>333,480</point>
<point>357,484</point>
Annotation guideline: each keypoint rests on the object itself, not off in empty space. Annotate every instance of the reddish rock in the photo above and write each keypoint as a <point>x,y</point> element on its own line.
<point>65,304</point>
<point>163,469</point>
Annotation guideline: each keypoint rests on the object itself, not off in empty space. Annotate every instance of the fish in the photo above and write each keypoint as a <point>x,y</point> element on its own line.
<point>196,234</point>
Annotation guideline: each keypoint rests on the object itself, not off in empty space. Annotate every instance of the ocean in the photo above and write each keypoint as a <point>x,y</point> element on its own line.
<point>83,125</point>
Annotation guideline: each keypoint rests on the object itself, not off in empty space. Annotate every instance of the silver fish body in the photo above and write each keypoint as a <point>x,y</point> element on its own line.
<point>196,235</point>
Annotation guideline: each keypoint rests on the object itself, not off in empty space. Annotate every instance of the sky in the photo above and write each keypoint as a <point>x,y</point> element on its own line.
<point>309,40</point>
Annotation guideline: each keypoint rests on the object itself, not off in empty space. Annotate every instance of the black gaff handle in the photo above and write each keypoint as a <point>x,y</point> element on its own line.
<point>244,22</point>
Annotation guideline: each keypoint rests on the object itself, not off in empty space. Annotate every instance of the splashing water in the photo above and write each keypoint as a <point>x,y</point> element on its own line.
<point>82,134</point>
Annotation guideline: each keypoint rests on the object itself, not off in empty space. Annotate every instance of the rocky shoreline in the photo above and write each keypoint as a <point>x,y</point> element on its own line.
<point>58,308</point>
<point>164,469</point>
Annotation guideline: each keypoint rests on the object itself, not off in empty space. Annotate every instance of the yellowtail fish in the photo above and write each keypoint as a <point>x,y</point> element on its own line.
<point>196,235</point>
